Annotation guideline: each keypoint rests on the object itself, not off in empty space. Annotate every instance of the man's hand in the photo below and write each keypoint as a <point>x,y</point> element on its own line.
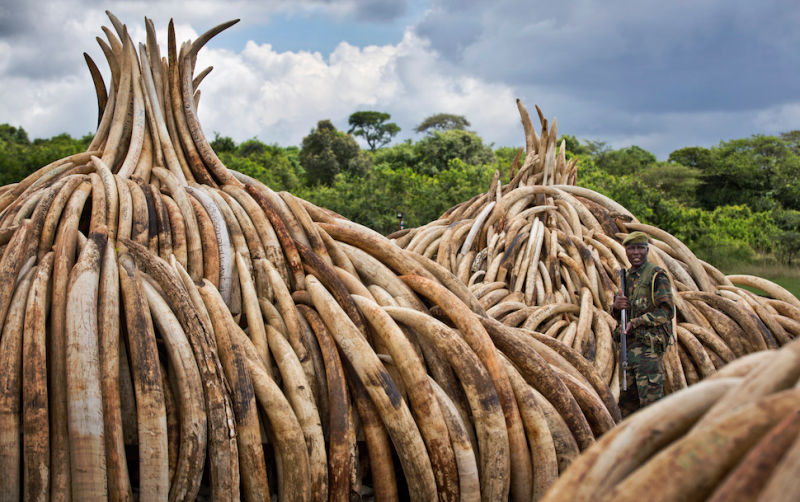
<point>620,303</point>
<point>628,328</point>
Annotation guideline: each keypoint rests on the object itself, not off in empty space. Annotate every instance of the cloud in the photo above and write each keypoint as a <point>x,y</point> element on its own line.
<point>629,70</point>
<point>255,91</point>
<point>50,91</point>
<point>661,74</point>
<point>654,56</point>
<point>281,96</point>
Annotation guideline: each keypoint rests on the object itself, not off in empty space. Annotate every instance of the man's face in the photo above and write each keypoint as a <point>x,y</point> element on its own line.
<point>637,254</point>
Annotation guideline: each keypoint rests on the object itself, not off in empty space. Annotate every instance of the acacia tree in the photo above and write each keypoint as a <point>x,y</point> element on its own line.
<point>373,127</point>
<point>443,122</point>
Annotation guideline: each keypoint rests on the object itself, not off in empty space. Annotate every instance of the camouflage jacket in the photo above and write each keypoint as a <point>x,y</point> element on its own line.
<point>651,306</point>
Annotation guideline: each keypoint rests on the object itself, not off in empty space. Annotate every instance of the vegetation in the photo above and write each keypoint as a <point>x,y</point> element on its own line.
<point>736,204</point>
<point>327,152</point>
<point>442,122</point>
<point>374,127</point>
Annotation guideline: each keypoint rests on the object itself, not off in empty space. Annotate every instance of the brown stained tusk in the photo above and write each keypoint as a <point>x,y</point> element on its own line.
<point>286,241</point>
<point>165,145</point>
<point>340,427</point>
<point>543,450</point>
<point>423,402</point>
<point>193,423</point>
<point>478,339</point>
<point>252,467</point>
<point>138,115</point>
<point>200,77</point>
<point>195,162</point>
<point>140,224</point>
<point>111,155</point>
<point>538,373</point>
<point>35,417</point>
<point>396,415</point>
<point>194,245</point>
<point>83,376</point>
<point>11,382</point>
<point>248,210</point>
<point>99,86</point>
<point>147,380</point>
<point>298,391</point>
<point>223,242</point>
<point>255,322</point>
<point>10,264</point>
<point>286,431</point>
<point>212,162</point>
<point>486,410</point>
<point>108,315</point>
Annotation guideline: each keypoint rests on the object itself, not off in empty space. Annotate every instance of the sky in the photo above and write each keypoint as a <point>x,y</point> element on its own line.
<point>660,75</point>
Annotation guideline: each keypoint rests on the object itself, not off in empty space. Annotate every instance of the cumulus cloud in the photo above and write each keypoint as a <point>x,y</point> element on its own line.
<point>281,96</point>
<point>256,91</point>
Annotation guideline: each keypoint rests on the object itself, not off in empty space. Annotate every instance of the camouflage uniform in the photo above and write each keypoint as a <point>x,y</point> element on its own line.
<point>650,313</point>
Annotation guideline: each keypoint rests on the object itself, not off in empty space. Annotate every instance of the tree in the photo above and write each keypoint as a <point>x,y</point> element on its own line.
<point>251,147</point>
<point>20,157</point>
<point>327,152</point>
<point>760,171</point>
<point>222,143</point>
<point>694,156</point>
<point>436,151</point>
<point>625,160</point>
<point>442,122</point>
<point>673,180</point>
<point>373,127</point>
<point>14,134</point>
<point>792,138</point>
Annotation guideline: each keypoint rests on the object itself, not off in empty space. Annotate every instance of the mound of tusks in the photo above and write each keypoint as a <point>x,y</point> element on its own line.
<point>171,330</point>
<point>735,436</point>
<point>544,254</point>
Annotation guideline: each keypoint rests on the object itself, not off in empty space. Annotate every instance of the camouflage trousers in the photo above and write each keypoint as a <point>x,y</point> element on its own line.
<point>645,378</point>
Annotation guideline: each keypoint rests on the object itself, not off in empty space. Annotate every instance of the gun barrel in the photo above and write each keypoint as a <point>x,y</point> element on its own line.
<point>623,345</point>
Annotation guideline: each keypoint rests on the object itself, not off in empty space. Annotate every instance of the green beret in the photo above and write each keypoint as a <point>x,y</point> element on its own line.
<point>635,238</point>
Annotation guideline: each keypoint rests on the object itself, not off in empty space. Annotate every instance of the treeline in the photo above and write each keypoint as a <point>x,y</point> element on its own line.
<point>731,203</point>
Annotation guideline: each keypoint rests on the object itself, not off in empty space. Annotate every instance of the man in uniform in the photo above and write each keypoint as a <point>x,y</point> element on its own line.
<point>648,299</point>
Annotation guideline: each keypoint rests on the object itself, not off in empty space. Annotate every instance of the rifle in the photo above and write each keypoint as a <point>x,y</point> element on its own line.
<point>623,340</point>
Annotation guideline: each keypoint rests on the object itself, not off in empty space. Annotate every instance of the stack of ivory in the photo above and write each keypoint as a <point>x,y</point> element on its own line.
<point>733,437</point>
<point>170,329</point>
<point>544,254</point>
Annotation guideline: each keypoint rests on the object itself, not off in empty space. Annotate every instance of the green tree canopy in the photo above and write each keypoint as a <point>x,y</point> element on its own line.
<point>437,150</point>
<point>792,138</point>
<point>625,160</point>
<point>761,171</point>
<point>442,122</point>
<point>327,152</point>
<point>14,134</point>
<point>673,180</point>
<point>20,157</point>
<point>694,156</point>
<point>373,127</point>
<point>222,143</point>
